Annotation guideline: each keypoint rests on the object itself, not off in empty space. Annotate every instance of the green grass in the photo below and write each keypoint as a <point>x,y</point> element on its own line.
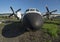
<point>56,22</point>
<point>51,27</point>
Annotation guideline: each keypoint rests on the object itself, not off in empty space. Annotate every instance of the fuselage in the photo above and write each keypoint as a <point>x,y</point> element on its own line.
<point>32,19</point>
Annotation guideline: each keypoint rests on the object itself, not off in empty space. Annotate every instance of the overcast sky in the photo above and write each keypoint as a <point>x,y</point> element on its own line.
<point>25,4</point>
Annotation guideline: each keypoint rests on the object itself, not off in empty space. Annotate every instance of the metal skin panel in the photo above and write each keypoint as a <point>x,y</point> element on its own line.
<point>33,21</point>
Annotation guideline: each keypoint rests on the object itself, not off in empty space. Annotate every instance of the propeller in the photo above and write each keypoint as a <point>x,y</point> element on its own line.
<point>14,13</point>
<point>48,13</point>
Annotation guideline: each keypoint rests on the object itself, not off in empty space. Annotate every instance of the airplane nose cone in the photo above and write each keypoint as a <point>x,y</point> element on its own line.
<point>33,21</point>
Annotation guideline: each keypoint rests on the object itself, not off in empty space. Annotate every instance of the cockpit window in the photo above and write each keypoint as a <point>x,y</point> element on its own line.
<point>37,10</point>
<point>27,10</point>
<point>32,9</point>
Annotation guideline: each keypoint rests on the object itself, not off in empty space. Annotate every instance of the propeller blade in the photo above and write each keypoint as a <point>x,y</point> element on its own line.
<point>53,11</point>
<point>11,15</point>
<point>16,16</point>
<point>18,10</point>
<point>11,9</point>
<point>47,9</point>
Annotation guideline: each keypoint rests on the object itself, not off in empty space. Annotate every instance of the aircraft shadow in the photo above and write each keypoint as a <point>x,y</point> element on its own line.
<point>13,30</point>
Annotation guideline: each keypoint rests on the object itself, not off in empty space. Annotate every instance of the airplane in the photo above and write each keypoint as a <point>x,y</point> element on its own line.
<point>32,18</point>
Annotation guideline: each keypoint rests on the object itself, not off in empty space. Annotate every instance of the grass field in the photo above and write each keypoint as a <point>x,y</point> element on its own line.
<point>51,27</point>
<point>49,32</point>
